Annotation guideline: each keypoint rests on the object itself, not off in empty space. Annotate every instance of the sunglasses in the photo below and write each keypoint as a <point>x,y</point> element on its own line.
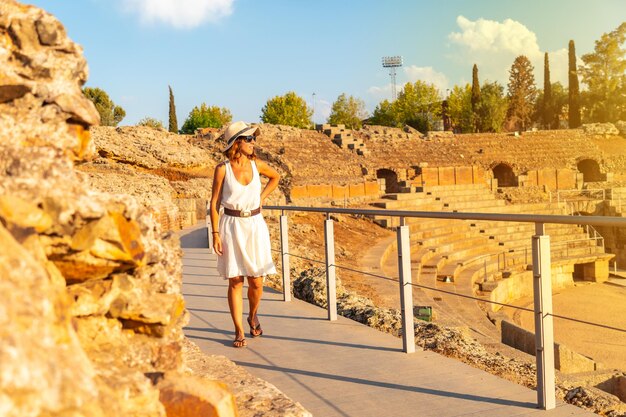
<point>248,139</point>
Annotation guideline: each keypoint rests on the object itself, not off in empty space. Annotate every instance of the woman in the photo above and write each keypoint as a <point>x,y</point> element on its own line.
<point>242,241</point>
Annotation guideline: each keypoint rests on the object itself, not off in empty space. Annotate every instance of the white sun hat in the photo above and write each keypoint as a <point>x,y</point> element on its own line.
<point>237,129</point>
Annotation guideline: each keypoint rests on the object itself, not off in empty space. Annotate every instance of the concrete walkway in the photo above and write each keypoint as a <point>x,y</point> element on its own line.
<point>342,368</point>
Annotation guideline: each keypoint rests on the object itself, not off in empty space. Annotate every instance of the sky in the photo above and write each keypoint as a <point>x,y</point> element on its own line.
<point>240,53</point>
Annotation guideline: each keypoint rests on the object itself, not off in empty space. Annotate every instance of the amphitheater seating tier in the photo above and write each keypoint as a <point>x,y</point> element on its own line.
<point>456,254</point>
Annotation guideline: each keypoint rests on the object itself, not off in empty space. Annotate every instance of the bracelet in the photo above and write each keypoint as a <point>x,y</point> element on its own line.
<point>216,232</point>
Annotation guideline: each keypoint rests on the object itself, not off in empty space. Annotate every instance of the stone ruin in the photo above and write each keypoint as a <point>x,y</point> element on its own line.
<point>91,310</point>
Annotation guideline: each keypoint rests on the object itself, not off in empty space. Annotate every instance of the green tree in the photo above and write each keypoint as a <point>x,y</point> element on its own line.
<point>289,109</point>
<point>492,107</point>
<point>206,116</point>
<point>460,109</point>
<point>604,72</point>
<point>522,93</point>
<point>573,117</point>
<point>418,105</point>
<point>110,114</point>
<point>173,122</point>
<point>475,95</point>
<point>559,100</point>
<point>151,122</point>
<point>383,115</point>
<point>547,113</point>
<point>349,111</point>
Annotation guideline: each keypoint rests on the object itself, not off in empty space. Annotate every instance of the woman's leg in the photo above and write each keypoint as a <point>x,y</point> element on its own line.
<point>255,292</point>
<point>235,303</point>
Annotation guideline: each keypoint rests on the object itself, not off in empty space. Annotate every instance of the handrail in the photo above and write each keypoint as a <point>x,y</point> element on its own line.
<point>514,217</point>
<point>542,281</point>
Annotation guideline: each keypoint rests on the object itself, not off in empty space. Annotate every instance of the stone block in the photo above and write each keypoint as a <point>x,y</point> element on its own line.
<point>185,204</point>
<point>547,178</point>
<point>446,176</point>
<point>531,178</point>
<point>570,362</point>
<point>299,191</point>
<point>478,175</point>
<point>371,188</point>
<point>340,191</point>
<point>319,190</point>
<point>566,179</point>
<point>356,190</point>
<point>463,175</point>
<point>430,176</point>
<point>597,271</point>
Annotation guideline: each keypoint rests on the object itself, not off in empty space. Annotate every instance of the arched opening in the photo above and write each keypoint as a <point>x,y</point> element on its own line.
<point>391,180</point>
<point>590,170</point>
<point>505,176</point>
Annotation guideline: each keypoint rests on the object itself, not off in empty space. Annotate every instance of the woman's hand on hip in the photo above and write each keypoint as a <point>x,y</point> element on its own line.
<point>217,244</point>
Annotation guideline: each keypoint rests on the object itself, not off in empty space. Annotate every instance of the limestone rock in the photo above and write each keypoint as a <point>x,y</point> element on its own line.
<point>44,370</point>
<point>600,129</point>
<point>191,396</point>
<point>254,396</point>
<point>148,148</point>
<point>34,110</point>
<point>621,126</point>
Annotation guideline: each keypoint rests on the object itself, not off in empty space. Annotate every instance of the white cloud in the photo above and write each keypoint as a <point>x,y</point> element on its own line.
<point>322,110</point>
<point>427,74</point>
<point>381,93</point>
<point>181,14</point>
<point>493,46</point>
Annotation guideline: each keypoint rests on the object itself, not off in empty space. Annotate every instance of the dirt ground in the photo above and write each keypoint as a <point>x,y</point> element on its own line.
<point>602,303</point>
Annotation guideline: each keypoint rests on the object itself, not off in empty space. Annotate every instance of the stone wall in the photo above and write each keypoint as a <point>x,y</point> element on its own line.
<point>369,189</point>
<point>565,359</point>
<point>455,175</point>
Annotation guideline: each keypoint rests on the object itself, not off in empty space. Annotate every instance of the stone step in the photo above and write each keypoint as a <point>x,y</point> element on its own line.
<point>417,205</point>
<point>475,205</point>
<point>453,187</point>
<point>468,197</point>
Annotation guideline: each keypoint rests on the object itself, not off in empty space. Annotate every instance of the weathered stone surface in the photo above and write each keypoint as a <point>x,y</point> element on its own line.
<point>254,396</point>
<point>44,369</point>
<point>601,129</point>
<point>192,396</point>
<point>143,146</point>
<point>90,291</point>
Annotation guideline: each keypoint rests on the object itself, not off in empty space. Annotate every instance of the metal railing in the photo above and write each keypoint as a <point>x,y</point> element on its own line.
<point>541,261</point>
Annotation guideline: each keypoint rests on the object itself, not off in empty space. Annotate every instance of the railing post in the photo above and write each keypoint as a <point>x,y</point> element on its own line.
<point>406,289</point>
<point>284,257</point>
<point>544,330</point>
<point>331,281</point>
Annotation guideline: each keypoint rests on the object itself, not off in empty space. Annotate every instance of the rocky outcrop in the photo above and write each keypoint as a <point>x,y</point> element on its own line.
<point>606,129</point>
<point>90,301</point>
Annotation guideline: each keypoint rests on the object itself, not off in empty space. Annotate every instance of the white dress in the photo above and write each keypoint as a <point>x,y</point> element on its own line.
<point>246,249</point>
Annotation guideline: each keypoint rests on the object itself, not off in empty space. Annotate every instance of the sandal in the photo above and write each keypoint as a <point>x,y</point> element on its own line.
<point>239,343</point>
<point>255,329</point>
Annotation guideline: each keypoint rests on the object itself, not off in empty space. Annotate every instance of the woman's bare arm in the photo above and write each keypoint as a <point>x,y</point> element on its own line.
<point>269,172</point>
<point>218,182</point>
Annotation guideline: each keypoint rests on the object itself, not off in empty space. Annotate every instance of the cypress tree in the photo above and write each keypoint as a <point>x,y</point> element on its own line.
<point>548,112</point>
<point>475,96</point>
<point>173,125</point>
<point>574,94</point>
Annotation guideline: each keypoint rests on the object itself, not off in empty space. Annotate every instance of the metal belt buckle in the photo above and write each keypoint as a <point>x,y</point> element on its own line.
<point>244,213</point>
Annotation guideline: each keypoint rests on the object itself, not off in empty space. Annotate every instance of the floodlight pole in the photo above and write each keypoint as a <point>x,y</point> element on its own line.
<point>392,62</point>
